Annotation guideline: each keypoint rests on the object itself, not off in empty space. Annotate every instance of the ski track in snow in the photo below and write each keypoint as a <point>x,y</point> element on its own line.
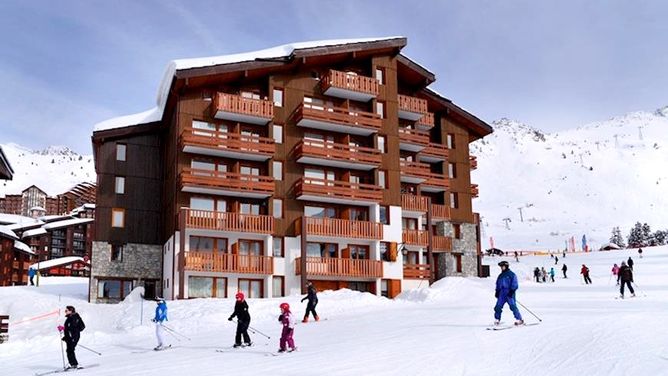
<point>431,331</point>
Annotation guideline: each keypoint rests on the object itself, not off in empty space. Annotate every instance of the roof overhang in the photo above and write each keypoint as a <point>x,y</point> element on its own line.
<point>478,127</point>
<point>412,73</point>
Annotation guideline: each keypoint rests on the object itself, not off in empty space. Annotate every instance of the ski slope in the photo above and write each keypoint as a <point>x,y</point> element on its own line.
<point>429,331</point>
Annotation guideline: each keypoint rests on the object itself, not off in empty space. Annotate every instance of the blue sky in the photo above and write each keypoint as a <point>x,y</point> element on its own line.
<point>67,65</point>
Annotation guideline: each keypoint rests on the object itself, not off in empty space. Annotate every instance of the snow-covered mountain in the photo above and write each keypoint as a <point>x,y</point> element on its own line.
<point>576,182</point>
<point>54,169</point>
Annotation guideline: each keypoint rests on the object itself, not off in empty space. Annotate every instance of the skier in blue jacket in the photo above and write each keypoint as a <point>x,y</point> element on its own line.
<point>506,285</point>
<point>160,316</point>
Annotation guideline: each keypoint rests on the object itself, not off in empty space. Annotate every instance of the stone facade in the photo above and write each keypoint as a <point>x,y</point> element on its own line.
<point>140,262</point>
<point>466,246</point>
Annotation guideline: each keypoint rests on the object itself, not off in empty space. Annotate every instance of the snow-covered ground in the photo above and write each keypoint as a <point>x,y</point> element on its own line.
<point>431,331</point>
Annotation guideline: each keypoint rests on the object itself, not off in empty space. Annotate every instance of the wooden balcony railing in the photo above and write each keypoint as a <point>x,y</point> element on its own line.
<point>417,271</point>
<point>243,106</point>
<point>415,169</point>
<point>412,104</point>
<point>473,160</point>
<point>339,152</point>
<point>224,221</point>
<point>414,203</point>
<point>227,141</point>
<point>340,267</point>
<point>474,190</point>
<point>344,228</point>
<point>440,211</point>
<point>435,150</point>
<point>426,121</point>
<point>441,243</point>
<point>352,82</point>
<point>338,189</point>
<point>203,261</point>
<point>414,136</point>
<point>437,180</point>
<point>227,180</point>
<point>336,115</point>
<point>415,237</point>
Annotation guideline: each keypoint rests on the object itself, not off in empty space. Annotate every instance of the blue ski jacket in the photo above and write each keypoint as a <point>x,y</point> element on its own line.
<point>161,312</point>
<point>506,282</point>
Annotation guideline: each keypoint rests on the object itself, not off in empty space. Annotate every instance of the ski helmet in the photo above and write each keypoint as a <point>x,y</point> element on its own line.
<point>504,263</point>
<point>239,296</point>
<point>285,306</point>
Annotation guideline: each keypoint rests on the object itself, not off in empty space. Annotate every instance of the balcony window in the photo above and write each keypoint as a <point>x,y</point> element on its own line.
<point>207,244</point>
<point>201,203</point>
<point>277,169</point>
<point>277,286</point>
<point>380,76</point>
<point>278,250</point>
<point>381,144</point>
<point>250,95</point>
<point>278,97</point>
<point>384,251</point>
<point>120,185</point>
<point>250,247</point>
<point>359,252</point>
<point>278,208</point>
<point>278,134</point>
<point>358,214</point>
<point>121,150</point>
<point>409,223</point>
<point>249,208</point>
<point>452,170</point>
<point>316,173</point>
<point>321,250</point>
<point>249,170</point>
<point>319,212</point>
<point>118,218</point>
<point>384,217</point>
<point>381,179</point>
<point>203,128</point>
<point>380,109</point>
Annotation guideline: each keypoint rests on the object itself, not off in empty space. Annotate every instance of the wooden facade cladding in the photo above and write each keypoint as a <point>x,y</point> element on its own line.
<point>434,152</point>
<point>203,261</point>
<point>426,121</point>
<point>411,105</point>
<point>226,221</point>
<point>474,190</point>
<point>473,162</point>
<point>415,172</point>
<point>237,108</point>
<point>337,119</point>
<point>350,86</point>
<point>441,243</point>
<point>337,189</point>
<point>414,203</point>
<point>440,212</point>
<point>417,271</point>
<point>415,237</point>
<point>415,137</point>
<point>368,158</point>
<point>436,182</point>
<point>335,227</point>
<point>228,144</point>
<point>218,182</point>
<point>340,267</point>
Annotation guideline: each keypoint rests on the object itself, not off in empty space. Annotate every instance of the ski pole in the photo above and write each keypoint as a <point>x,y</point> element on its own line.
<point>62,351</point>
<point>258,332</point>
<point>175,332</point>
<point>89,349</point>
<point>173,335</point>
<point>639,289</point>
<point>528,310</point>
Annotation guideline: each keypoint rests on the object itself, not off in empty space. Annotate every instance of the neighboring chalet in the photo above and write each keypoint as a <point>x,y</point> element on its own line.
<point>6,171</point>
<point>326,161</point>
<point>34,202</point>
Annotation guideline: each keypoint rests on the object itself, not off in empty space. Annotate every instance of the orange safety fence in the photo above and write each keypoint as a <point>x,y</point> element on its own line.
<point>40,317</point>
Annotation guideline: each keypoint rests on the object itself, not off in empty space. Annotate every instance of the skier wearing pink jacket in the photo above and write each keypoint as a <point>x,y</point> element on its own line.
<point>288,322</point>
<point>615,272</point>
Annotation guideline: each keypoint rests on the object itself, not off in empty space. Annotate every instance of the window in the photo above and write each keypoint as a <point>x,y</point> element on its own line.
<point>249,208</point>
<point>385,251</point>
<point>277,168</point>
<point>250,170</point>
<point>384,288</point>
<point>277,287</point>
<point>359,252</point>
<point>384,216</point>
<point>278,208</point>
<point>457,229</point>
<point>381,179</point>
<point>458,262</point>
<point>250,95</point>
<point>454,200</point>
<point>451,141</point>
<point>121,151</point>
<point>200,287</point>
<point>252,288</point>
<point>380,109</point>
<point>250,247</point>
<point>358,214</point>
<point>380,144</point>
<point>202,128</point>
<point>120,185</point>
<point>278,134</point>
<point>117,217</point>
<point>278,247</point>
<point>319,212</point>
<point>452,170</point>
<point>321,250</point>
<point>278,97</point>
<point>221,287</point>
<point>380,75</point>
<point>409,223</point>
<point>113,289</point>
<point>116,253</point>
<point>206,244</point>
<point>201,203</point>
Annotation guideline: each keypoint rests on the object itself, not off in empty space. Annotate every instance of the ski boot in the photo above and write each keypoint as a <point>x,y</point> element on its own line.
<point>292,349</point>
<point>236,345</point>
<point>317,318</point>
<point>519,322</point>
<point>249,344</point>
<point>281,350</point>
<point>305,319</point>
<point>497,322</point>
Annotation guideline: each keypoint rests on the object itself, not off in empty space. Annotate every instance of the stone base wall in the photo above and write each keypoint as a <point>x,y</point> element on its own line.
<point>140,262</point>
<point>466,246</point>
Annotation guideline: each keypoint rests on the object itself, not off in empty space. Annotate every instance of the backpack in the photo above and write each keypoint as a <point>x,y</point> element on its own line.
<point>82,326</point>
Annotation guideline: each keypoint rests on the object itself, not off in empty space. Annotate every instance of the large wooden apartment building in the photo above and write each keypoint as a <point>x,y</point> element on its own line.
<point>325,161</point>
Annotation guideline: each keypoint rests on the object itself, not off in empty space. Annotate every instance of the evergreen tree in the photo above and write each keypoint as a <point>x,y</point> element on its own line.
<point>661,237</point>
<point>646,235</point>
<point>617,237</point>
<point>635,238</point>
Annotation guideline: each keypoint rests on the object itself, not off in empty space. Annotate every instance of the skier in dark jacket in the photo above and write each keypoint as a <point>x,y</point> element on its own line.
<point>506,285</point>
<point>625,276</point>
<point>640,252</point>
<point>630,263</point>
<point>312,297</point>
<point>564,269</point>
<point>243,320</point>
<point>585,274</point>
<point>536,274</point>
<point>71,333</point>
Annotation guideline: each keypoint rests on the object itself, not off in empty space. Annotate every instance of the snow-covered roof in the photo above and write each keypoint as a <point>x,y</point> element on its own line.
<point>23,247</point>
<point>283,51</point>
<point>33,232</point>
<point>89,206</point>
<point>66,223</point>
<point>37,208</point>
<point>22,225</point>
<point>14,218</point>
<point>57,262</point>
<point>4,231</point>
<point>54,217</point>
<point>610,246</point>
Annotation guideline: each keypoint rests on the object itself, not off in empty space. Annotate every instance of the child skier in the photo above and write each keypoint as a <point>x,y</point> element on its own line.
<point>71,333</point>
<point>288,321</point>
<point>615,272</point>
<point>243,320</point>
<point>312,297</point>
<point>160,317</point>
<point>506,285</point>
<point>585,274</point>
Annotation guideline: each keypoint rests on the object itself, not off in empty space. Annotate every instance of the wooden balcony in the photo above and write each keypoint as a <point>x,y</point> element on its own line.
<point>411,108</point>
<point>433,153</point>
<point>337,155</point>
<point>216,262</point>
<point>342,228</point>
<point>436,183</point>
<point>246,110</point>
<point>417,271</point>
<point>337,119</point>
<point>441,243</point>
<point>224,144</point>
<point>340,267</point>
<point>426,121</point>
<point>336,191</point>
<point>413,203</point>
<point>474,190</point>
<point>226,183</point>
<point>414,172</point>
<point>225,221</point>
<point>473,161</point>
<point>413,139</point>
<point>415,237</point>
<point>349,86</point>
<point>440,212</point>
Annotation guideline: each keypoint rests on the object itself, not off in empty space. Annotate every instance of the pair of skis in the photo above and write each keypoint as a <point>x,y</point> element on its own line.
<point>62,370</point>
<point>504,327</point>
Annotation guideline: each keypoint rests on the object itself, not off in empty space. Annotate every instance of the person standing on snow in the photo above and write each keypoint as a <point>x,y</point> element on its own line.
<point>71,331</point>
<point>506,285</point>
<point>585,274</point>
<point>630,263</point>
<point>543,274</point>
<point>31,275</point>
<point>626,278</point>
<point>312,297</point>
<point>158,319</point>
<point>536,274</point>
<point>564,269</point>
<point>288,321</point>
<point>556,260</point>
<point>615,272</point>
<point>552,274</point>
<point>243,320</point>
<point>640,252</point>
